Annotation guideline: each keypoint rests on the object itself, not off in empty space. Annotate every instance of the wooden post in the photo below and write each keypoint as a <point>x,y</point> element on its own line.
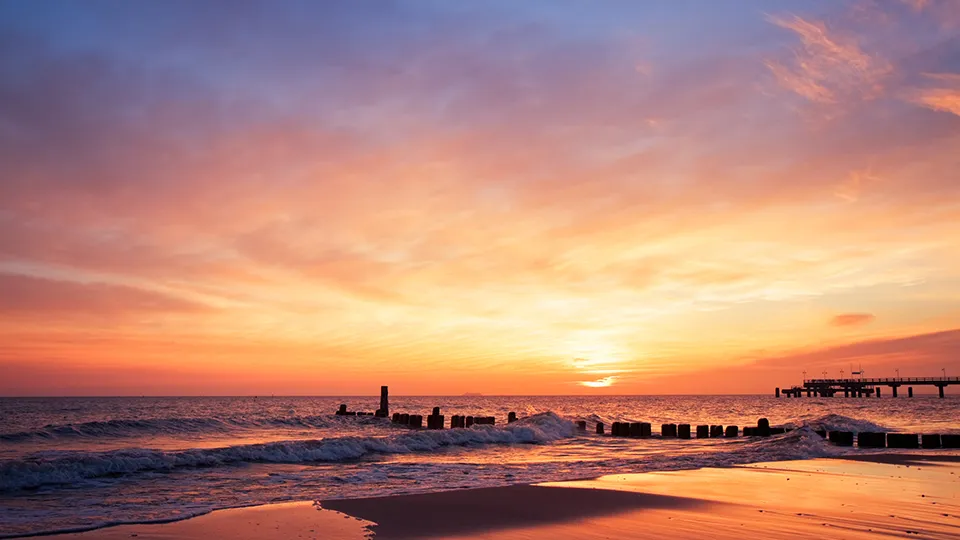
<point>778,391</point>
<point>950,440</point>
<point>841,438</point>
<point>732,431</point>
<point>763,427</point>
<point>511,417</point>
<point>903,440</point>
<point>930,440</point>
<point>871,439</point>
<point>582,425</point>
<point>469,421</point>
<point>634,429</point>
<point>416,421</point>
<point>716,431</point>
<point>703,432</point>
<point>683,431</point>
<point>645,429</point>
<point>384,410</point>
<point>599,428</point>
<point>668,430</point>
<point>342,410</point>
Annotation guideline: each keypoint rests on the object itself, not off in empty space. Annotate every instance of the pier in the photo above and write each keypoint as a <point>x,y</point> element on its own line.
<point>864,387</point>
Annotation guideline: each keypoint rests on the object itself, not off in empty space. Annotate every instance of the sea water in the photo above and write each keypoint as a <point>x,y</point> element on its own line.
<point>70,464</point>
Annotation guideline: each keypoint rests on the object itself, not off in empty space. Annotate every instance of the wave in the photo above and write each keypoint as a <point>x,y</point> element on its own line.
<point>171,426</point>
<point>836,422</point>
<point>33,472</point>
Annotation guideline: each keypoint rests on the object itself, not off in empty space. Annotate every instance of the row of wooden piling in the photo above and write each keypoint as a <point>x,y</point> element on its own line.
<point>879,439</point>
<point>684,431</point>
<point>864,439</point>
<point>437,420</point>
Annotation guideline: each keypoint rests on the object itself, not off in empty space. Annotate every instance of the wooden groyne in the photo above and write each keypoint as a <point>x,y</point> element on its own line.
<point>644,430</point>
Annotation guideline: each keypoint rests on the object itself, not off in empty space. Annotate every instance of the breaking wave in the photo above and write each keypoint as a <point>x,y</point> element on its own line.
<point>69,467</point>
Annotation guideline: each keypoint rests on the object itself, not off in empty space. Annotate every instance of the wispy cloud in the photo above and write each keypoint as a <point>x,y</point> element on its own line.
<point>852,319</point>
<point>941,94</point>
<point>828,67</point>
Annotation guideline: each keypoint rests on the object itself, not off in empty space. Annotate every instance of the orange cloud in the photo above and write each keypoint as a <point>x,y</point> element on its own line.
<point>943,97</point>
<point>852,319</point>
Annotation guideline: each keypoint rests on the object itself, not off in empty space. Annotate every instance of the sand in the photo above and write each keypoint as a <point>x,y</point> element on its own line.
<point>905,496</point>
<point>282,521</point>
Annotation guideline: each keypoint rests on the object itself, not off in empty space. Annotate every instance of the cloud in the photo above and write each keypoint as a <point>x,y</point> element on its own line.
<point>599,383</point>
<point>828,67</point>
<point>852,319</point>
<point>20,295</point>
<point>941,94</point>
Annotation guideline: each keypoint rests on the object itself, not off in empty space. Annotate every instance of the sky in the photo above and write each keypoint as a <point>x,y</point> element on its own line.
<point>563,197</point>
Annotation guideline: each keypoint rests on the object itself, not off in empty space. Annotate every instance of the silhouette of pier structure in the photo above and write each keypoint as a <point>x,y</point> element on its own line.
<point>864,387</point>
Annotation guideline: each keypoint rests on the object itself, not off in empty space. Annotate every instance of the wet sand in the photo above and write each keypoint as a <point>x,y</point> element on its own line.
<point>882,496</point>
<point>282,521</point>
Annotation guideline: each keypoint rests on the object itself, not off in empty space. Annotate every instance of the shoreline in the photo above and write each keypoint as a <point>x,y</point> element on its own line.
<point>775,499</point>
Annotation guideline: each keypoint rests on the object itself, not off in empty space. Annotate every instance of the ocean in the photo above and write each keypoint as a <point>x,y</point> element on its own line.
<point>69,464</point>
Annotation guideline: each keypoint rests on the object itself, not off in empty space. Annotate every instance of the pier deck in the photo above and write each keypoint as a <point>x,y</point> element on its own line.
<point>864,387</point>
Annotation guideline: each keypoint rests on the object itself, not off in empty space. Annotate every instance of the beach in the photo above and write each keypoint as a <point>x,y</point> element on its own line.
<point>860,496</point>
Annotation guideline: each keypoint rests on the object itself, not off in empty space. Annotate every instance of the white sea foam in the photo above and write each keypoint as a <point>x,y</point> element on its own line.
<point>836,422</point>
<point>69,467</point>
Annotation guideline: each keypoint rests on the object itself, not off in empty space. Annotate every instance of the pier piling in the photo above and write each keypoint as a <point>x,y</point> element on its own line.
<point>909,391</point>
<point>951,440</point>
<point>384,410</point>
<point>871,439</point>
<point>930,440</point>
<point>435,420</point>
<point>903,440</point>
<point>841,438</point>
